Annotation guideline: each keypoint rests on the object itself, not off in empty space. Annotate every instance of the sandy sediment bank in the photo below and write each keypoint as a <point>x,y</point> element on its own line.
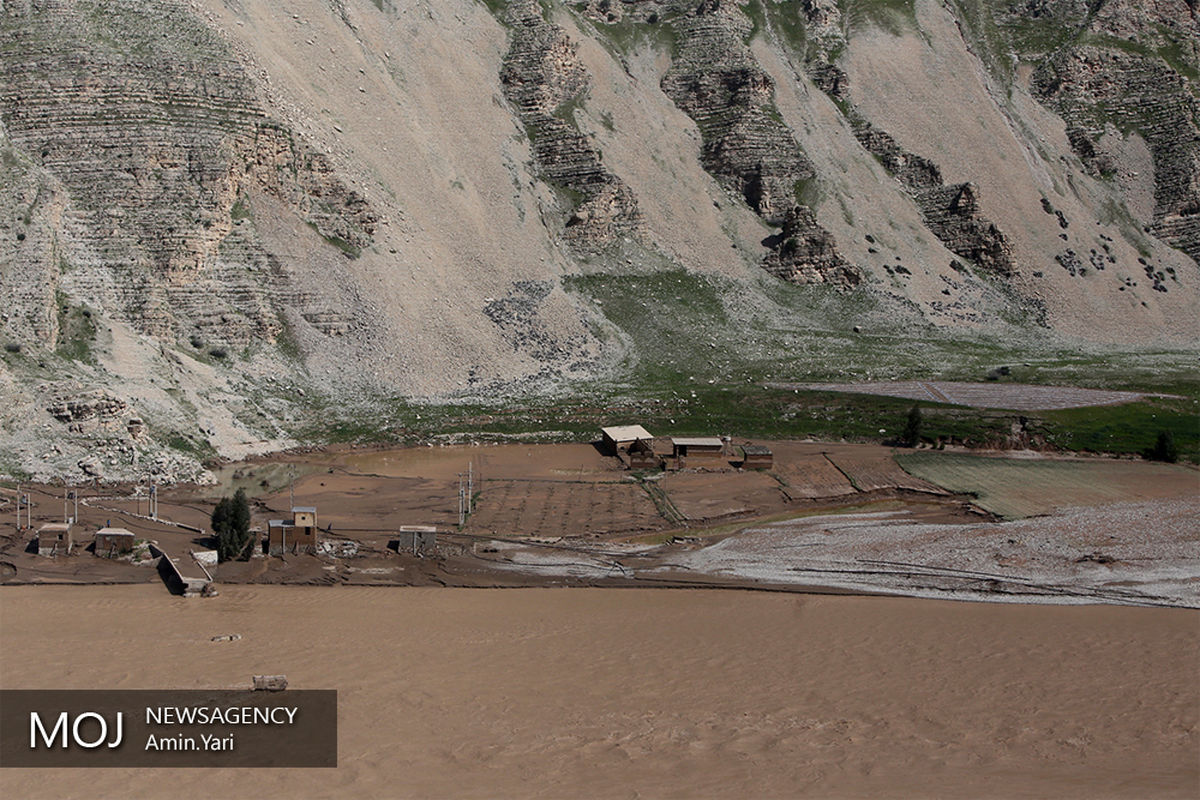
<point>553,693</point>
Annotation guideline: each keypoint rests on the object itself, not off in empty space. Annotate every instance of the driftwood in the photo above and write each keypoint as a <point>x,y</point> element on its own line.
<point>270,683</point>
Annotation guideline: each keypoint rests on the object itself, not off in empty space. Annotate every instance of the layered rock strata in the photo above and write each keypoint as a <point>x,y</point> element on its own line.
<point>544,78</point>
<point>1099,90</point>
<point>152,127</point>
<point>950,211</point>
<point>715,79</point>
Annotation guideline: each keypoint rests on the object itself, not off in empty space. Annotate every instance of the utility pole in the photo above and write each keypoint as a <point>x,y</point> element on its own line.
<point>470,486</point>
<point>461,506</point>
<point>18,505</point>
<point>293,487</point>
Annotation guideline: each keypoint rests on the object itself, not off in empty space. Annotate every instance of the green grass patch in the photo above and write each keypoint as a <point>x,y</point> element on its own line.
<point>76,331</point>
<point>350,250</point>
<point>240,210</point>
<point>1128,428</point>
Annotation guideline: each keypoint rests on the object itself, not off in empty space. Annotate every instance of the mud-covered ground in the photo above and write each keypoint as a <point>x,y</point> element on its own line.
<point>833,517</point>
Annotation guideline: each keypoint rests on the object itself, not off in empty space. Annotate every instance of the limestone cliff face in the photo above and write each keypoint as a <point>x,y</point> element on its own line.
<point>715,79</point>
<point>1123,69</point>
<point>152,128</point>
<point>222,222</point>
<point>544,78</point>
<point>950,211</point>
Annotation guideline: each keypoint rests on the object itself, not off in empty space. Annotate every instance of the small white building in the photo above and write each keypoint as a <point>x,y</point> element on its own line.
<point>621,437</point>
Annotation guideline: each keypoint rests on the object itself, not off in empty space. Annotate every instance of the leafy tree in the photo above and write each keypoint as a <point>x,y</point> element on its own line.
<point>231,525</point>
<point>911,436</point>
<point>1164,448</point>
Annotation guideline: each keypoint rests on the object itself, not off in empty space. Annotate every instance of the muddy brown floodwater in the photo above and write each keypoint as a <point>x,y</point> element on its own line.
<point>644,693</point>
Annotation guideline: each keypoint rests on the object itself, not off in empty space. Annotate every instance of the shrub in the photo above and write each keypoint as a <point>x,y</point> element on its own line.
<point>911,436</point>
<point>231,525</point>
<point>1164,448</point>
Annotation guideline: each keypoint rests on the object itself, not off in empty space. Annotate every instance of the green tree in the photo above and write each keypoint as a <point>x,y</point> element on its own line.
<point>231,525</point>
<point>911,436</point>
<point>1164,448</point>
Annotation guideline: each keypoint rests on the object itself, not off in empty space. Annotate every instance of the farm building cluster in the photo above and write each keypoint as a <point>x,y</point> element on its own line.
<point>639,449</point>
<point>58,538</point>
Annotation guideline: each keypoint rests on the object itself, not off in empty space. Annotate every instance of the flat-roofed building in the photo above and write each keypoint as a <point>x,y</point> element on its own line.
<point>757,456</point>
<point>54,539</point>
<point>696,451</point>
<point>113,542</point>
<point>618,438</point>
<point>297,535</point>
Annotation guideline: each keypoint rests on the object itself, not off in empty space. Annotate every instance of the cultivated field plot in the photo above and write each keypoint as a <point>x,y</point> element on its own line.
<point>704,497</point>
<point>558,508</point>
<point>1014,396</point>
<point>811,476</point>
<point>876,471</point>
<point>1016,488</point>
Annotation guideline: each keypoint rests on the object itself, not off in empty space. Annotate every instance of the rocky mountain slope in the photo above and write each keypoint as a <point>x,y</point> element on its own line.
<point>223,219</point>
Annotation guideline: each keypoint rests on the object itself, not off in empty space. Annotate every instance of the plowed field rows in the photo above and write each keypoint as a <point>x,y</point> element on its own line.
<point>557,508</point>
<point>700,497</point>
<point>1019,488</point>
<point>874,472</point>
<point>811,476</point>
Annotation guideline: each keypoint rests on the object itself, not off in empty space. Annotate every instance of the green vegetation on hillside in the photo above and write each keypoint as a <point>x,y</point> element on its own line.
<point>714,358</point>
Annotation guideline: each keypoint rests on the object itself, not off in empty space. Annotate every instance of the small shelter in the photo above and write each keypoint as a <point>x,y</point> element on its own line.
<point>757,456</point>
<point>113,542</point>
<point>419,540</point>
<point>642,456</point>
<point>297,535</point>
<point>619,438</point>
<point>696,451</point>
<point>54,538</point>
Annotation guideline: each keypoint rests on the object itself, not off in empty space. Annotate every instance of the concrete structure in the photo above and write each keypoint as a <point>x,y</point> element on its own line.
<point>113,542</point>
<point>642,456</point>
<point>756,456</point>
<point>54,539</point>
<point>299,535</point>
<point>174,578</point>
<point>620,437</point>
<point>697,451</point>
<point>419,540</point>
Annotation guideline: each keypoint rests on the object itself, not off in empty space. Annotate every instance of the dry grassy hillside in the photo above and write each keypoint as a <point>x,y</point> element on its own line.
<point>223,219</point>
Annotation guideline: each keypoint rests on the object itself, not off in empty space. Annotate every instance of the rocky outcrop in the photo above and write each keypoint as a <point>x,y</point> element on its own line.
<point>715,79</point>
<point>1118,67</point>
<point>807,254</point>
<point>1099,89</point>
<point>951,212</point>
<point>152,127</point>
<point>544,78</point>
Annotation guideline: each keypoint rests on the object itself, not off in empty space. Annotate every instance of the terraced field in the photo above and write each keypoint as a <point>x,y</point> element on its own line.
<point>555,508</point>
<point>812,475</point>
<point>1015,488</point>
<point>871,473</point>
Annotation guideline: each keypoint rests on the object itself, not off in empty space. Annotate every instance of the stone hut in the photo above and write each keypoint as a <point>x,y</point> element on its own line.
<point>757,456</point>
<point>54,539</point>
<point>113,542</point>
